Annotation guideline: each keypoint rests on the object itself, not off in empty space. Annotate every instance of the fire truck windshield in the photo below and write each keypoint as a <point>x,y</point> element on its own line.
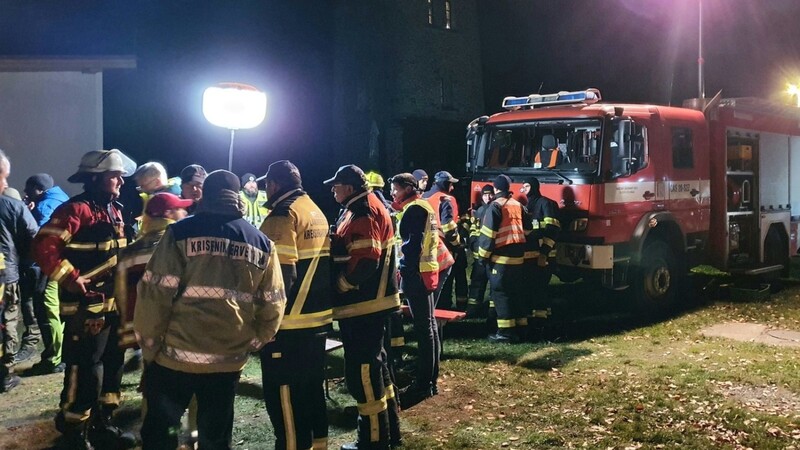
<point>570,145</point>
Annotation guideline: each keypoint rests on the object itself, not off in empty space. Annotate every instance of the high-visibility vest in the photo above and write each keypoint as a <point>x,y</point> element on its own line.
<point>434,256</point>
<point>255,212</point>
<point>554,153</point>
<point>511,229</point>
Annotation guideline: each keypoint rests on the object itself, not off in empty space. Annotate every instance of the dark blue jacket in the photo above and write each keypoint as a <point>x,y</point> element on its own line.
<point>17,229</point>
<point>51,199</point>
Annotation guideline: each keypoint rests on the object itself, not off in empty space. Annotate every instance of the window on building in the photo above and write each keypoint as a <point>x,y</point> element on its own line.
<point>440,13</point>
<point>682,150</point>
<point>430,12</point>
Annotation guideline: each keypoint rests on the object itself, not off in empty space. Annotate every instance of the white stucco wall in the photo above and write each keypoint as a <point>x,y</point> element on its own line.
<point>47,121</point>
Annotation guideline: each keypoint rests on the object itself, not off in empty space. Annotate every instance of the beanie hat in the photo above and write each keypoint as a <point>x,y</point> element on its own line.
<point>284,173</point>
<point>502,183</point>
<point>221,194</point>
<point>419,174</point>
<point>41,181</point>
<point>248,177</point>
<point>487,189</point>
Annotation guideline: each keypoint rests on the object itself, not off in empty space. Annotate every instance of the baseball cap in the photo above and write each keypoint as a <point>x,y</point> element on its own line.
<point>349,174</point>
<point>193,172</point>
<point>443,176</point>
<point>160,203</point>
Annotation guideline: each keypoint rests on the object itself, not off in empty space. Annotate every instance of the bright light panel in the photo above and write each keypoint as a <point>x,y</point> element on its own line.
<point>234,106</point>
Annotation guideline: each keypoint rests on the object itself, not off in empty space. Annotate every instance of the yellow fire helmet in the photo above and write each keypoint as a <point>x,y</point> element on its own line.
<point>374,180</point>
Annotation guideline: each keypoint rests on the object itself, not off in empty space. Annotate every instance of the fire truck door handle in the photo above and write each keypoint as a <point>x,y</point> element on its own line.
<point>694,192</point>
<point>648,195</point>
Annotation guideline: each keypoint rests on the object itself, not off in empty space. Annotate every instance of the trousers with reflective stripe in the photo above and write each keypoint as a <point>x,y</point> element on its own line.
<point>507,283</point>
<point>292,367</point>
<point>93,364</point>
<point>368,380</point>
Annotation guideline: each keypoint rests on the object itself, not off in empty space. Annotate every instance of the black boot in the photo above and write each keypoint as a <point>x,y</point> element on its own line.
<point>73,435</point>
<point>103,435</point>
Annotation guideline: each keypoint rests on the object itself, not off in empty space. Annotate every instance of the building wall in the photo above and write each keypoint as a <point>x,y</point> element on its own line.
<point>393,69</point>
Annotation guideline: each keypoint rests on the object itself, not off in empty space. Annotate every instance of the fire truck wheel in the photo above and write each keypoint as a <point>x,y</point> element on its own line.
<point>776,250</point>
<point>657,279</point>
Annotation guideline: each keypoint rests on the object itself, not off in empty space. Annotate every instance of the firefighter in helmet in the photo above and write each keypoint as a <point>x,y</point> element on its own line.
<point>78,248</point>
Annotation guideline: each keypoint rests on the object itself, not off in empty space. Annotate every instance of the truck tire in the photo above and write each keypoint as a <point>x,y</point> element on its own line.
<point>657,280</point>
<point>776,250</point>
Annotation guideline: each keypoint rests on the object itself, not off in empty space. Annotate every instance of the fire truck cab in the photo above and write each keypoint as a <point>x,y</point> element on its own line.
<point>635,184</point>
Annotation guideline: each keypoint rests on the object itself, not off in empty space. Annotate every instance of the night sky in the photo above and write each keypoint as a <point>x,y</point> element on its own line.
<point>632,50</point>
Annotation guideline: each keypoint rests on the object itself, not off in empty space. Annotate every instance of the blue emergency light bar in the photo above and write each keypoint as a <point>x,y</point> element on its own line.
<point>588,96</point>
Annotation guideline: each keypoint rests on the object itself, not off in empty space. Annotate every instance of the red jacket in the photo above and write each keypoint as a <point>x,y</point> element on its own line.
<point>363,253</point>
<point>82,237</point>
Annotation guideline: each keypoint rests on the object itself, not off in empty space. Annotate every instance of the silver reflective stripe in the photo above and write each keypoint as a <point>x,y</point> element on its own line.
<point>217,292</point>
<point>272,296</point>
<point>201,358</point>
<point>166,281</point>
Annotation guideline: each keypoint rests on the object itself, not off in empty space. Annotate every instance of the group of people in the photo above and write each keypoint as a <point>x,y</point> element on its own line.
<point>215,270</point>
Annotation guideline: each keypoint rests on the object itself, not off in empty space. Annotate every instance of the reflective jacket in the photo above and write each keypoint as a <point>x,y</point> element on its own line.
<point>446,210</point>
<point>300,232</point>
<point>419,232</point>
<point>173,186</point>
<point>132,262</point>
<point>475,228</point>
<point>82,238</point>
<point>545,224</point>
<point>502,238</point>
<point>254,209</point>
<point>212,289</point>
<point>362,248</point>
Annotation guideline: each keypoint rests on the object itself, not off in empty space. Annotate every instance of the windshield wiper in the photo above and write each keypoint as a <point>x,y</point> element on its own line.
<point>563,178</point>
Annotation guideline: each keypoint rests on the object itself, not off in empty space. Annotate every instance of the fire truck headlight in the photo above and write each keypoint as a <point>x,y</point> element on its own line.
<point>580,224</point>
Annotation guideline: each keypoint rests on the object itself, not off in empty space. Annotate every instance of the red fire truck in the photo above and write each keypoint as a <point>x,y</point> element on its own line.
<point>647,191</point>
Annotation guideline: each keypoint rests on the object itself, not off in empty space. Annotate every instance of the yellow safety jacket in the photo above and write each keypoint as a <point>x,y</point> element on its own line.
<point>255,212</point>
<point>300,232</point>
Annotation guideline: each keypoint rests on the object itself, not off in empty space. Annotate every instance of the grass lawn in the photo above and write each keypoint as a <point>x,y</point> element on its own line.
<point>593,382</point>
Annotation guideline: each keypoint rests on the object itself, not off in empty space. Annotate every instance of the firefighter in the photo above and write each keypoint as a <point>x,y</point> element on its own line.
<point>293,365</point>
<point>254,199</point>
<point>394,338</point>
<point>501,245</point>
<point>211,293</point>
<point>363,251</point>
<point>78,249</point>
<point>543,213</point>
<point>419,277</point>
<point>479,279</point>
<point>151,178</point>
<point>446,210</point>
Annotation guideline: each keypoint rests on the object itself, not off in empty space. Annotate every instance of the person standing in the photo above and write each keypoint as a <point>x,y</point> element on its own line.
<point>78,249</point>
<point>192,178</point>
<point>293,364</point>
<point>479,279</point>
<point>501,245</point>
<point>421,251</point>
<point>546,227</point>
<point>151,179</point>
<point>43,198</point>
<point>253,199</point>
<point>211,293</point>
<point>362,248</point>
<point>446,210</point>
<point>17,229</point>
